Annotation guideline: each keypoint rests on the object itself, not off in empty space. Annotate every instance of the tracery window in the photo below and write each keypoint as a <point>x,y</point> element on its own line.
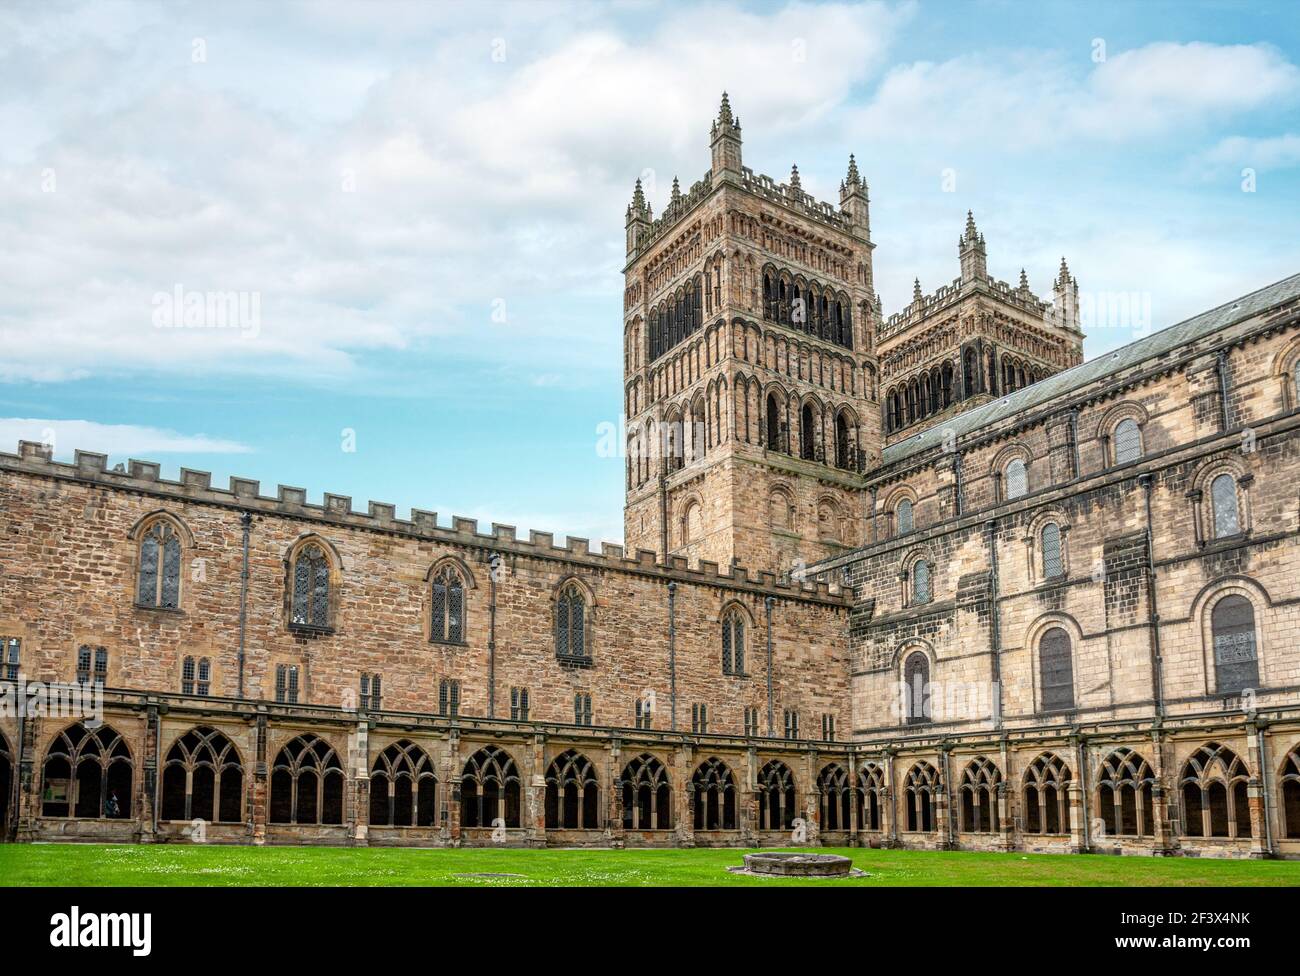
<point>87,775</point>
<point>196,676</point>
<point>1291,793</point>
<point>489,791</point>
<point>203,778</point>
<point>714,790</point>
<point>311,588</point>
<point>158,582</point>
<point>1236,659</point>
<point>871,796</point>
<point>647,795</point>
<point>570,624</point>
<point>447,620</point>
<point>776,797</point>
<point>836,798</point>
<point>1128,441</point>
<point>1223,500</point>
<point>733,643</point>
<point>572,793</point>
<point>919,797</point>
<point>1047,796</point>
<point>403,787</point>
<point>979,796</point>
<point>1214,788</point>
<point>1124,794</point>
<point>1056,670</point>
<point>307,783</point>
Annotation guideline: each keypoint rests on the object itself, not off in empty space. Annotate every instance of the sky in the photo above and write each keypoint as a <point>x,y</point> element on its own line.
<point>416,209</point>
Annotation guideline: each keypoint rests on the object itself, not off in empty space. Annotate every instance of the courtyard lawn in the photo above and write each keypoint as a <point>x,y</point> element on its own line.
<point>175,864</point>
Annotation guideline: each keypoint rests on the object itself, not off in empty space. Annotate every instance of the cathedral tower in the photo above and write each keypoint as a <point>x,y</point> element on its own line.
<point>750,376</point>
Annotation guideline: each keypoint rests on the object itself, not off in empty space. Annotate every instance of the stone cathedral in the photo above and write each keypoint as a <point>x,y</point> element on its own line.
<point>927,579</point>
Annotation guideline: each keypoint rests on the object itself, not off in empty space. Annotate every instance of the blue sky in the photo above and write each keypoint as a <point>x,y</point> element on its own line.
<point>426,203</point>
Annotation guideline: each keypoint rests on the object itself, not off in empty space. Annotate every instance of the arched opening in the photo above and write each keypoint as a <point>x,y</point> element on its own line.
<point>836,798</point>
<point>979,796</point>
<point>842,453</point>
<point>916,694</point>
<point>87,775</point>
<point>919,798</point>
<point>572,793</point>
<point>773,442</point>
<point>489,791</point>
<point>1213,786</point>
<point>714,796</point>
<point>1236,661</point>
<point>776,797</point>
<point>203,778</point>
<point>403,787</point>
<point>807,436</point>
<point>871,796</point>
<point>1124,794</point>
<point>647,795</point>
<point>1056,670</point>
<point>307,783</point>
<point>1047,796</point>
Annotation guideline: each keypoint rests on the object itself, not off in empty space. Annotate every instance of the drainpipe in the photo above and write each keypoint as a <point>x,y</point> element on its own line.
<point>663,515</point>
<point>767,606</point>
<point>494,566</point>
<point>245,520</point>
<point>672,656</point>
<point>1262,749</point>
<point>1221,367</point>
<point>1153,618</point>
<point>995,619</point>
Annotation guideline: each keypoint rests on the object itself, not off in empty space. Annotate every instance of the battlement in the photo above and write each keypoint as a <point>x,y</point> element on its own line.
<point>949,294</point>
<point>34,458</point>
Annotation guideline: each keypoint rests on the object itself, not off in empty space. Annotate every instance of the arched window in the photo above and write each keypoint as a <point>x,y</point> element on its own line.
<point>921,591</point>
<point>841,441</point>
<point>733,643</point>
<point>403,787</point>
<point>159,581</point>
<point>1053,564</point>
<point>570,624</point>
<point>311,588</point>
<point>87,775</point>
<point>307,783</point>
<point>572,794</point>
<point>1223,499</point>
<point>1215,794</point>
<point>807,436</point>
<point>1236,661</point>
<point>979,796</point>
<point>903,517</point>
<point>916,691</point>
<point>1128,441</point>
<point>1291,793</point>
<point>871,796</point>
<point>773,424</point>
<point>447,624</point>
<point>918,797</point>
<point>714,789</point>
<point>203,778</point>
<point>776,797</point>
<point>1047,796</point>
<point>970,373</point>
<point>647,795</point>
<point>1056,670</point>
<point>489,790</point>
<point>1015,479</point>
<point>1124,799</point>
<point>836,798</point>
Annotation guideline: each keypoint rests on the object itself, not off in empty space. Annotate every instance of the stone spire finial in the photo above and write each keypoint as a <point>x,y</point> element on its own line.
<point>853,179</point>
<point>916,290</point>
<point>972,234</point>
<point>638,198</point>
<point>724,111</point>
<point>677,190</point>
<point>1024,280</point>
<point>794,178</point>
<point>1064,276</point>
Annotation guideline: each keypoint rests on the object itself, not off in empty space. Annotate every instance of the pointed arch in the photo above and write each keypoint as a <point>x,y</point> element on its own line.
<point>403,787</point>
<point>572,793</point>
<point>1046,791</point>
<point>87,774</point>
<point>713,796</point>
<point>777,805</point>
<point>489,789</point>
<point>307,782</point>
<point>203,777</point>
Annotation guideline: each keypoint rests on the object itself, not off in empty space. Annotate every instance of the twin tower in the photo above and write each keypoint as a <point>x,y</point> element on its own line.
<point>761,383</point>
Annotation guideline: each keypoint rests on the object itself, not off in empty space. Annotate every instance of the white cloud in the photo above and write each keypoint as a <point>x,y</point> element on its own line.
<point>113,439</point>
<point>1236,153</point>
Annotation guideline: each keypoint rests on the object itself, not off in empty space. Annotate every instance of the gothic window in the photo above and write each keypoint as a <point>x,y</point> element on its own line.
<point>1223,496</point>
<point>570,620</point>
<point>1047,796</point>
<point>919,797</point>
<point>970,373</point>
<point>921,590</point>
<point>196,676</point>
<point>807,436</point>
<point>449,697</point>
<point>714,790</point>
<point>311,588</point>
<point>1236,661</point>
<point>307,783</point>
<point>519,704</point>
<point>203,778</point>
<point>871,796</point>
<point>1215,795</point>
<point>1291,794</point>
<point>87,775</point>
<point>1015,480</point>
<point>733,643</point>
<point>947,376</point>
<point>916,688</point>
<point>1128,441</point>
<point>286,684</point>
<point>1056,670</point>
<point>836,798</point>
<point>776,797</point>
<point>841,441</point>
<point>1124,794</point>
<point>448,616</point>
<point>791,724</point>
<point>582,709</point>
<point>1053,564</point>
<point>647,795</point>
<point>773,424</point>
<point>403,787</point>
<point>700,719</point>
<point>371,698</point>
<point>979,796</point>
<point>159,581</point>
<point>489,790</point>
<point>10,657</point>
<point>92,665</point>
<point>572,794</point>
<point>903,517</point>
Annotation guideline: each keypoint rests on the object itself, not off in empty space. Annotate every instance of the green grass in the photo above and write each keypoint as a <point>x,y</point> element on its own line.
<point>175,864</point>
